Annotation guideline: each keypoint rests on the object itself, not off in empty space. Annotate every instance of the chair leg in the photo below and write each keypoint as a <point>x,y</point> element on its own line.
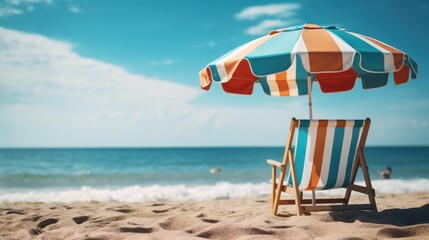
<point>295,185</point>
<point>367,180</point>
<point>360,162</point>
<point>273,189</point>
<point>279,190</point>
<point>298,202</point>
<point>355,168</point>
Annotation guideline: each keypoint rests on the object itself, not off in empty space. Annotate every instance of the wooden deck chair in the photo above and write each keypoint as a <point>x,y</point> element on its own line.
<point>326,155</point>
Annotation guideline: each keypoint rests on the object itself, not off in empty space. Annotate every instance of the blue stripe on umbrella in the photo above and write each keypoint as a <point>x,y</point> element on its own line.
<point>372,58</point>
<point>274,55</point>
<point>213,68</point>
<point>370,80</point>
<point>374,80</point>
<point>413,66</point>
<point>301,77</point>
<point>215,73</point>
<point>264,84</point>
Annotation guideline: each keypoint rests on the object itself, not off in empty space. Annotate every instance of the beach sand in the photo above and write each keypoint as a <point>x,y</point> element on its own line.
<point>399,216</point>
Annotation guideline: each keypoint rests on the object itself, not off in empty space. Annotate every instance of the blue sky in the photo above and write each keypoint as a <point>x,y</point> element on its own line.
<point>125,73</point>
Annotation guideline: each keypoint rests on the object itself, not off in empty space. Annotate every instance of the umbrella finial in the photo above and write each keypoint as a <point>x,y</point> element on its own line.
<point>312,26</point>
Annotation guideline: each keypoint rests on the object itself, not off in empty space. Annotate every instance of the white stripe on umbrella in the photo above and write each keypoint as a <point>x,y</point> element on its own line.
<point>293,87</point>
<point>301,49</point>
<point>272,84</point>
<point>389,63</point>
<point>347,51</point>
<point>220,63</point>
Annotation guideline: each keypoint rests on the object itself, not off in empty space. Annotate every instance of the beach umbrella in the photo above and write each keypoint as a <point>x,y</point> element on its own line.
<point>287,61</point>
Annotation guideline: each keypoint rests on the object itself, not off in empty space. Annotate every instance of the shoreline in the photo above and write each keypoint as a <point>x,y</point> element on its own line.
<point>187,192</point>
<point>400,215</point>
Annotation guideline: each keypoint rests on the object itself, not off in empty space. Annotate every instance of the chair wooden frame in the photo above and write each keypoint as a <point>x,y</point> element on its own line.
<point>337,204</point>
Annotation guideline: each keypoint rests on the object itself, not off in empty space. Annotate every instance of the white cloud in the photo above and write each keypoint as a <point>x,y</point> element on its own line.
<point>209,44</point>
<point>11,8</point>
<point>6,11</point>
<point>21,2</point>
<point>14,2</point>
<point>266,26</point>
<point>270,10</point>
<point>37,65</point>
<point>48,85</point>
<point>74,9</point>
<point>51,96</point>
<point>162,62</point>
<point>273,16</point>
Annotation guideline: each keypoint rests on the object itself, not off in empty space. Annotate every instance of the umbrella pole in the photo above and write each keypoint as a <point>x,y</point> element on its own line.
<point>310,88</point>
<point>310,111</point>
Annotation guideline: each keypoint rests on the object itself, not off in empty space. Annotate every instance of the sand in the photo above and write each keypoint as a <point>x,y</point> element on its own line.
<point>399,216</point>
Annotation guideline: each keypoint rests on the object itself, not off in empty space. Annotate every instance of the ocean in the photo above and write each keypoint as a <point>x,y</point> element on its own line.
<point>150,174</point>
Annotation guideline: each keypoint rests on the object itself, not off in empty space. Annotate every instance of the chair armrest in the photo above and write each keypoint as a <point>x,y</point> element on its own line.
<point>274,163</point>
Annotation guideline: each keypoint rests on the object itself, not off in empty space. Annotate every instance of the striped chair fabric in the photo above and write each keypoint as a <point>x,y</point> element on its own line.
<point>325,151</point>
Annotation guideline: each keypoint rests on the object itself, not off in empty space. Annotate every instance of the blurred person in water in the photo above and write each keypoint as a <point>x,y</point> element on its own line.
<point>386,173</point>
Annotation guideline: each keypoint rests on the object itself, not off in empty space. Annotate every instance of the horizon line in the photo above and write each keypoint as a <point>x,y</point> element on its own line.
<point>160,147</point>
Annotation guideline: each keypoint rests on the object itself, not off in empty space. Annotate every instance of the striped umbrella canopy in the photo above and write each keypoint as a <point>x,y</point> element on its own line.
<point>287,61</point>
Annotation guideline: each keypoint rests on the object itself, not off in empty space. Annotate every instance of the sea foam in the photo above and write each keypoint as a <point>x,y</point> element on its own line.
<point>180,192</point>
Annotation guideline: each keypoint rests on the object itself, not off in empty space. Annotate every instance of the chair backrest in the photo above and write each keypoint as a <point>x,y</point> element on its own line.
<point>325,151</point>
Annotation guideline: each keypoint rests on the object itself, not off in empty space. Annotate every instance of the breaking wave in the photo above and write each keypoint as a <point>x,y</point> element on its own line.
<point>181,192</point>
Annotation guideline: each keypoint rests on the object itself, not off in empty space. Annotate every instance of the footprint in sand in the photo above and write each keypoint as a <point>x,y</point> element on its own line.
<point>80,219</point>
<point>34,232</point>
<point>125,210</point>
<point>163,210</point>
<point>405,232</point>
<point>33,218</point>
<point>160,211</point>
<point>280,226</point>
<point>47,222</point>
<point>106,220</point>
<point>228,233</point>
<point>15,212</point>
<point>121,210</point>
<point>136,229</point>
<point>393,233</point>
<point>157,204</point>
<point>207,220</point>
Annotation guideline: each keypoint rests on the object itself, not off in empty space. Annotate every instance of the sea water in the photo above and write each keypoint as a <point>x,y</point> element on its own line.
<point>150,174</point>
